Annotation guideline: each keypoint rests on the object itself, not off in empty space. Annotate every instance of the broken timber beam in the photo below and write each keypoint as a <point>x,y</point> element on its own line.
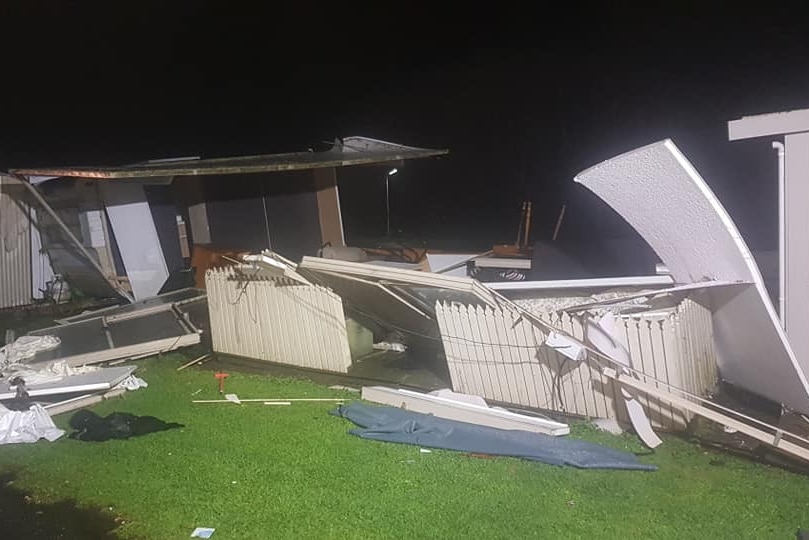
<point>462,411</point>
<point>775,439</point>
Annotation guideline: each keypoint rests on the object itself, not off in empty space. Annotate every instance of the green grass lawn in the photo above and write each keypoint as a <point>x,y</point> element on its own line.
<point>262,472</point>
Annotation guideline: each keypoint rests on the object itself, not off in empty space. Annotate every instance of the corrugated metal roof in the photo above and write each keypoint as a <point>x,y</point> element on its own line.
<point>15,249</point>
<point>351,151</point>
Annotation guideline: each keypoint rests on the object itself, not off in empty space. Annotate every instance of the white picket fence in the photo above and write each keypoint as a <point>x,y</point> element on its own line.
<point>499,355</point>
<point>277,320</point>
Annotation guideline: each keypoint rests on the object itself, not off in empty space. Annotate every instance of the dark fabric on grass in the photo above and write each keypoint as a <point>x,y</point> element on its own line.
<point>398,425</point>
<point>91,427</point>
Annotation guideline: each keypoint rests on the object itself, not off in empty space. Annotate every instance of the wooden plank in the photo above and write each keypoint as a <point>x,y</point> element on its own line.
<point>328,207</point>
<point>194,361</point>
<point>499,324</point>
<point>489,348</point>
<point>265,400</point>
<point>472,339</point>
<point>452,351</point>
<point>767,125</point>
<point>578,284</point>
<point>521,356</point>
<point>81,401</point>
<point>542,369</point>
<point>461,411</point>
<point>397,275</point>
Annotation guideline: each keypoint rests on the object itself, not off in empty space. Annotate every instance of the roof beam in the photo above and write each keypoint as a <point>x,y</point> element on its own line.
<point>766,125</point>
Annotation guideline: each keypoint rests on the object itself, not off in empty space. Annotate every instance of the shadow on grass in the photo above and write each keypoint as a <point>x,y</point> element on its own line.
<point>22,517</point>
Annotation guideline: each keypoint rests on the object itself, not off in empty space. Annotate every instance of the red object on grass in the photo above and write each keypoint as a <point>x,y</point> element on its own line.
<point>221,377</point>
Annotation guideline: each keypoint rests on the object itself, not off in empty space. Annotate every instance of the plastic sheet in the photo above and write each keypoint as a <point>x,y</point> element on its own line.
<point>27,426</point>
<point>26,347</point>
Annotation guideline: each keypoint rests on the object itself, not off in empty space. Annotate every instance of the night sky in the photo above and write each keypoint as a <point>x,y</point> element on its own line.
<point>523,99</point>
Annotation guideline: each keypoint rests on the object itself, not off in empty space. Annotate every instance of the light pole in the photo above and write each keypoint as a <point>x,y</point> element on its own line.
<point>387,200</point>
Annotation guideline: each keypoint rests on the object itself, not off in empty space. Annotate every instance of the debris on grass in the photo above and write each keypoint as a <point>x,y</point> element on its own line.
<point>346,388</point>
<point>89,426</point>
<point>194,361</point>
<point>609,425</point>
<point>203,532</point>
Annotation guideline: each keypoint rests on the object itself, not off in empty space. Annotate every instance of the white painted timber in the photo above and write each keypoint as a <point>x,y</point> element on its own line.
<point>707,285</point>
<point>82,401</point>
<point>398,275</point>
<point>101,379</point>
<point>595,283</point>
<point>660,194</point>
<point>461,411</point>
<point>278,320</point>
<point>502,356</point>
<point>503,262</point>
<point>765,125</point>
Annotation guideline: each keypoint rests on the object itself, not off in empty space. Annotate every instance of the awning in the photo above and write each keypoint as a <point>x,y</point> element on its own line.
<point>349,151</point>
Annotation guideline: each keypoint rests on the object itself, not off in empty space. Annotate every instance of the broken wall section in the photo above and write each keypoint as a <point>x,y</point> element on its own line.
<point>500,355</point>
<point>277,319</point>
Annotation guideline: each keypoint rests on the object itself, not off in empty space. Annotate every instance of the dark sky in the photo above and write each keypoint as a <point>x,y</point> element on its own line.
<point>523,99</point>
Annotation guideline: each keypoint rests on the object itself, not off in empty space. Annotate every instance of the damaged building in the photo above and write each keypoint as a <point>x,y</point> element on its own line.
<point>646,350</point>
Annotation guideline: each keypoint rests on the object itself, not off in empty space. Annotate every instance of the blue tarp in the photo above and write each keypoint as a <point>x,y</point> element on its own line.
<point>398,425</point>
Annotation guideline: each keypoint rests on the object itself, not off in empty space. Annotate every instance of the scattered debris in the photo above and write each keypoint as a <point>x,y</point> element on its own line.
<point>202,532</point>
<point>25,348</point>
<point>388,346</point>
<point>425,451</point>
<point>100,379</point>
<point>33,389</point>
<point>194,361</point>
<point>346,388</point>
<point>609,425</point>
<point>268,400</point>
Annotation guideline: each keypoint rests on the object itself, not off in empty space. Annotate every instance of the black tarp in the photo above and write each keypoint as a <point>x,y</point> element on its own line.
<point>398,425</point>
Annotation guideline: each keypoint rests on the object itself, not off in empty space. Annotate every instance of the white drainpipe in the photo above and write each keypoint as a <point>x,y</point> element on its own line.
<point>782,256</point>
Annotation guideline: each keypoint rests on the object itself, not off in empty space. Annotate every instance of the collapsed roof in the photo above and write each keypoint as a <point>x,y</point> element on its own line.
<point>349,151</point>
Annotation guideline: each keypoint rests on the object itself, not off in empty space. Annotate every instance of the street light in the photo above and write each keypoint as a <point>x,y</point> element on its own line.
<point>387,200</point>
